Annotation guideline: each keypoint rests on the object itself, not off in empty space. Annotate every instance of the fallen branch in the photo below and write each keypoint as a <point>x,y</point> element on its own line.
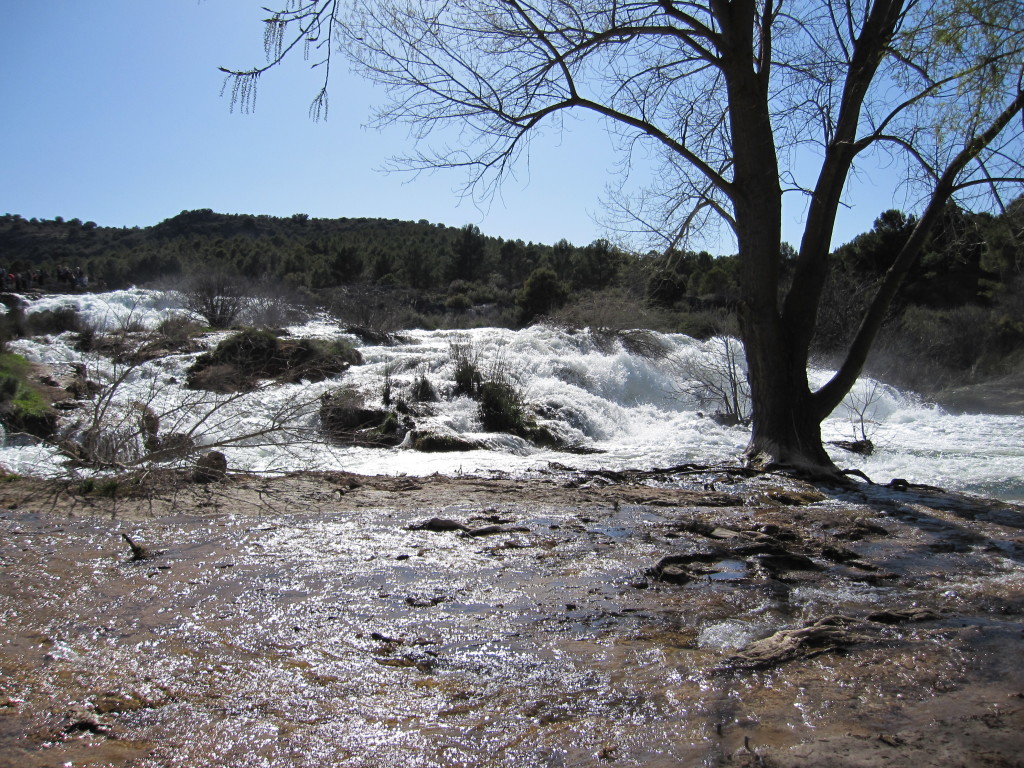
<point>441,524</point>
<point>831,633</point>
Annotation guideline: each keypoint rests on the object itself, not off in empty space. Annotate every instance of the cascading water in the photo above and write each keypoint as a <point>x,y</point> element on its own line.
<point>628,407</point>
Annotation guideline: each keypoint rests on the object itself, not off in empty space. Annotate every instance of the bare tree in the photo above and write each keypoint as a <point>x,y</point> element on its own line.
<point>731,93</point>
<point>862,407</point>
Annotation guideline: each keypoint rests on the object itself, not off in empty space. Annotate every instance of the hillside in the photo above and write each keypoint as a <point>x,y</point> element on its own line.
<point>958,319</point>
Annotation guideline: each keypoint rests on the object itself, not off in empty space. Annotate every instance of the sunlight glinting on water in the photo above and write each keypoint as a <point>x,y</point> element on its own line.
<point>628,408</point>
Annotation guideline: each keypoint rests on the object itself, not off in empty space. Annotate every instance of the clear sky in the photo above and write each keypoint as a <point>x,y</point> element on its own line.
<point>112,113</point>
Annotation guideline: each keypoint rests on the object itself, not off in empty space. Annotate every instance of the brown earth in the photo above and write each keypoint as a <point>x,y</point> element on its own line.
<point>688,617</point>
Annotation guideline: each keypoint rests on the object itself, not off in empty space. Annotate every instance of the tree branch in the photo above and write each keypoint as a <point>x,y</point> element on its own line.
<point>829,396</point>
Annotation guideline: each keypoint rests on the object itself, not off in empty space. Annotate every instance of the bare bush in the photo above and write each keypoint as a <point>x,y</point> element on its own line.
<point>217,297</point>
<point>374,312</point>
<point>126,426</point>
<point>715,377</point>
<point>861,407</point>
<point>177,331</point>
<point>929,349</point>
<point>272,305</point>
<point>609,310</point>
<point>845,297</point>
<point>55,321</point>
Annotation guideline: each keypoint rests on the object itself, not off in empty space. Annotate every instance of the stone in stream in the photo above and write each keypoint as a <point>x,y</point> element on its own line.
<point>831,633</point>
<point>139,551</point>
<point>441,524</point>
<point>210,467</point>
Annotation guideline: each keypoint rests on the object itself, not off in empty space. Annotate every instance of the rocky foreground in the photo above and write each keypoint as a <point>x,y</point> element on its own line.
<point>686,617</point>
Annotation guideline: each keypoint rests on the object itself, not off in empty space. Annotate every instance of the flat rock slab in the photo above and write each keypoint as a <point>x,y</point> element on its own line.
<point>317,616</point>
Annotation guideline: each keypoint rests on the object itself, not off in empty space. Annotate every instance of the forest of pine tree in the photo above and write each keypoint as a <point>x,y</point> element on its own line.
<point>959,314</point>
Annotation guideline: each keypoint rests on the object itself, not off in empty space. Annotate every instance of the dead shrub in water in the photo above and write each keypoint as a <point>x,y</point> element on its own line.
<point>861,407</point>
<point>715,377</point>
<point>216,296</point>
<point>126,428</point>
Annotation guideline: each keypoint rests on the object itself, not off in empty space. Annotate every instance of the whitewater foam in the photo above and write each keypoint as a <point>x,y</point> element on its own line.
<point>631,409</point>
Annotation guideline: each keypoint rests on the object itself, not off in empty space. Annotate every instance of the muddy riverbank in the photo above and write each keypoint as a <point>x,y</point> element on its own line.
<point>687,618</point>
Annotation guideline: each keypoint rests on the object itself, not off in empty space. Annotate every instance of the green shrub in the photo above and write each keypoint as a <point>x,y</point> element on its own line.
<point>467,378</point>
<point>501,408</point>
<point>467,375</point>
<point>486,294</point>
<point>243,358</point>
<point>22,407</point>
<point>423,390</point>
<point>541,294</point>
<point>30,404</point>
<point>458,303</point>
<point>389,426</point>
<point>459,286</point>
<point>14,365</point>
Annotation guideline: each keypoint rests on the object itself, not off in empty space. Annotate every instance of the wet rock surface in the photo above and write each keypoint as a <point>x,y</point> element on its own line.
<point>638,621</point>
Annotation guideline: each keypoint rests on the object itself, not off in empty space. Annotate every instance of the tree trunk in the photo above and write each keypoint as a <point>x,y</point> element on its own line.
<point>786,418</point>
<point>786,427</point>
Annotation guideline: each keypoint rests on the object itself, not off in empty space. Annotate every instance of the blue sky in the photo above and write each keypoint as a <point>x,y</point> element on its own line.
<point>112,113</point>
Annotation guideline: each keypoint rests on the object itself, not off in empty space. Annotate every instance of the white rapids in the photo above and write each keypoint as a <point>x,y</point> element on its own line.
<point>631,410</point>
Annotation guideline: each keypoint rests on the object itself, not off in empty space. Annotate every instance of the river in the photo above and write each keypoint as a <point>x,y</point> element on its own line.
<point>624,400</point>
